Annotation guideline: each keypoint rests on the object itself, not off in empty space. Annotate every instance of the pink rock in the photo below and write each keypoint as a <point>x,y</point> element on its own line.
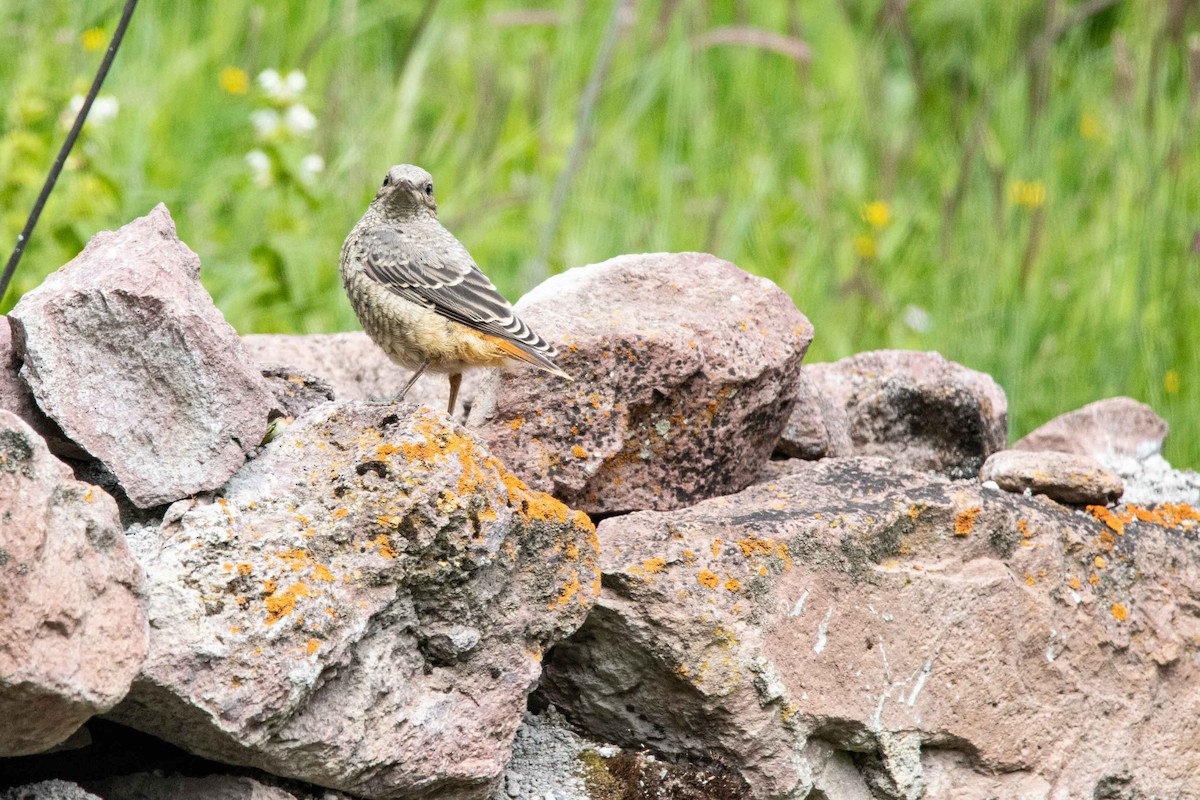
<point>356,368</point>
<point>807,434</point>
<point>1117,426</point>
<point>872,610</point>
<point>154,786</point>
<point>124,349</point>
<point>15,397</point>
<point>365,607</point>
<point>918,409</point>
<point>1065,477</point>
<point>685,372</point>
<point>72,628</point>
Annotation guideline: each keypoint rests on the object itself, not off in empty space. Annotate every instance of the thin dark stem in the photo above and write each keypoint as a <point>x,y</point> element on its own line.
<point>52,178</point>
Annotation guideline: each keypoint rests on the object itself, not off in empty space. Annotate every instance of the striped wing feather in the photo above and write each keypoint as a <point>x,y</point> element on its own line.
<point>452,285</point>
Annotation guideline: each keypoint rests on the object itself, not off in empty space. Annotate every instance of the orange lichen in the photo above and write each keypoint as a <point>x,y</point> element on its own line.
<point>708,579</point>
<point>280,604</point>
<point>1075,584</point>
<point>389,521</point>
<point>1029,581</point>
<point>341,513</point>
<point>733,585</point>
<point>569,589</point>
<point>244,569</point>
<point>1107,541</point>
<point>716,547</point>
<point>1023,529</point>
<point>234,630</point>
<point>313,646</point>
<point>1110,519</point>
<point>227,567</point>
<point>89,496</point>
<point>653,565</point>
<point>1094,579</point>
<point>964,523</point>
<point>572,551</point>
<point>385,546</point>
<point>1099,562</point>
<point>516,423</point>
<point>322,573</point>
<point>578,452</point>
<point>753,546</point>
<point>1119,612</point>
<point>689,556</point>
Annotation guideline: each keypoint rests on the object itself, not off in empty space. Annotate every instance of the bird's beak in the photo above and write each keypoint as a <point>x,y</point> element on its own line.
<point>404,183</point>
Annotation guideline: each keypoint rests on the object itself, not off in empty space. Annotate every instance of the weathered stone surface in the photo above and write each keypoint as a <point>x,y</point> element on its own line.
<point>48,790</point>
<point>807,433</point>
<point>685,372</point>
<point>124,349</point>
<point>16,397</point>
<point>919,409</point>
<point>941,634</point>
<point>363,607</point>
<point>1065,477</point>
<point>356,368</point>
<point>152,786</point>
<point>72,628</point>
<point>1151,480</point>
<point>1117,426</point>
<point>296,392</point>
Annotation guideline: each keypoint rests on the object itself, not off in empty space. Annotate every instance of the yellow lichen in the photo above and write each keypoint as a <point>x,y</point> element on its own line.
<point>733,585</point>
<point>654,565</point>
<point>964,523</point>
<point>313,646</point>
<point>708,579</point>
<point>341,513</point>
<point>280,604</point>
<point>1119,612</point>
<point>578,452</point>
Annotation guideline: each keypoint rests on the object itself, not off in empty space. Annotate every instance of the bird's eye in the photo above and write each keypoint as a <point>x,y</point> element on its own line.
<point>429,189</point>
<point>387,180</point>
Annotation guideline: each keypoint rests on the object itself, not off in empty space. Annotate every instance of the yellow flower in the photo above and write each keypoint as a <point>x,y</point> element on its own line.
<point>876,213</point>
<point>234,80</point>
<point>865,247</point>
<point>93,39</point>
<point>1030,194</point>
<point>1171,381</point>
<point>1090,127</point>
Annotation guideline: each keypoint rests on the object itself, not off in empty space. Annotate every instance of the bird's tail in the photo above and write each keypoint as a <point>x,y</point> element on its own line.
<point>530,356</point>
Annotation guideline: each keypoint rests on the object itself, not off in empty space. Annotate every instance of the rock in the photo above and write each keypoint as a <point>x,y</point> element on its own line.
<point>1117,426</point>
<point>1151,480</point>
<point>685,372</point>
<point>296,391</point>
<point>72,628</point>
<point>356,368</point>
<point>48,790</point>
<point>153,786</point>
<point>807,434</point>
<point>16,398</point>
<point>364,607</point>
<point>546,757</point>
<point>124,349</point>
<point>1064,477</point>
<point>918,409</point>
<point>855,607</point>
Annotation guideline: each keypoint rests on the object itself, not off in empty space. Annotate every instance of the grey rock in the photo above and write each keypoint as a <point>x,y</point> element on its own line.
<point>72,627</point>
<point>1117,426</point>
<point>685,370</point>
<point>363,607</point>
<point>1152,480</point>
<point>16,398</point>
<point>154,786</point>
<point>124,349</point>
<point>48,790</point>
<point>918,409</point>
<point>1064,477</point>
<point>296,391</point>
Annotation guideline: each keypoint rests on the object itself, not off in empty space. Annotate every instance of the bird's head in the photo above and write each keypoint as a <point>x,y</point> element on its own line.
<point>406,191</point>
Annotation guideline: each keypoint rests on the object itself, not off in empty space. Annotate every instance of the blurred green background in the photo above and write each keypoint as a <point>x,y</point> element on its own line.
<point>1015,184</point>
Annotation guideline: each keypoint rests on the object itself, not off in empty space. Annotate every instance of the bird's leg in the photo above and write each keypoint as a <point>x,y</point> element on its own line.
<point>420,371</point>
<point>455,382</point>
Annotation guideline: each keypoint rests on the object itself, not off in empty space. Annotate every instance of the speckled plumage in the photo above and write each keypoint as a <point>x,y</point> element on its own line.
<point>420,296</point>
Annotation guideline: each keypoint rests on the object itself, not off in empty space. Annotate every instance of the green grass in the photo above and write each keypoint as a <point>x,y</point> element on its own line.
<point>731,149</point>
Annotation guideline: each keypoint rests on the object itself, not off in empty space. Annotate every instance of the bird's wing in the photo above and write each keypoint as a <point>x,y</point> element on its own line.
<point>451,284</point>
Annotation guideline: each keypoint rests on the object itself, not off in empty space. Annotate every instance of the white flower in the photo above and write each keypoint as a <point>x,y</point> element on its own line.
<point>269,81</point>
<point>917,319</point>
<point>295,83</point>
<point>310,165</point>
<point>260,164</point>
<point>300,120</point>
<point>266,122</point>
<point>104,109</point>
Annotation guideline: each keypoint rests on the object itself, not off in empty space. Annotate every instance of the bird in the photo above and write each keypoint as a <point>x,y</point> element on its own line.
<point>420,295</point>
